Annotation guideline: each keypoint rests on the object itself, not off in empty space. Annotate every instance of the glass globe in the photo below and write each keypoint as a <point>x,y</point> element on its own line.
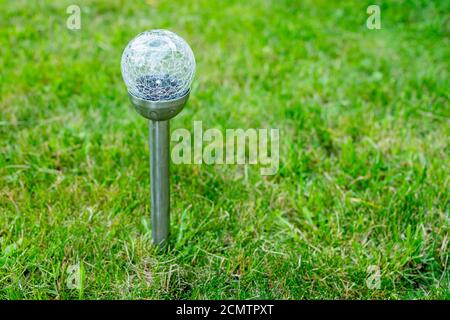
<point>158,65</point>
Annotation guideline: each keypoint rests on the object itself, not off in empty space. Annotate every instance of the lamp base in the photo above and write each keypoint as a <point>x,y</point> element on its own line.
<point>159,110</point>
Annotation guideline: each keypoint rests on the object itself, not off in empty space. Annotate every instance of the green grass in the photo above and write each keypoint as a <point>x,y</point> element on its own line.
<point>363,179</point>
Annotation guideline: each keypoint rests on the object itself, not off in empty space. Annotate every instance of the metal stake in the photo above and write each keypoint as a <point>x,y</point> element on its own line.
<point>159,178</point>
<point>159,113</point>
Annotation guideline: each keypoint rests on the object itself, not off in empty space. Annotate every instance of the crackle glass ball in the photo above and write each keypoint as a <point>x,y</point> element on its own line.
<point>158,65</point>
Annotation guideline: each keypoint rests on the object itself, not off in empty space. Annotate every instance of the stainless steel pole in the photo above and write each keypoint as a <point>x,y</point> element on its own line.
<point>159,113</point>
<point>159,178</point>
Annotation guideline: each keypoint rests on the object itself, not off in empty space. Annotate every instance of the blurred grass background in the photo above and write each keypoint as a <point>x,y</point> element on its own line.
<point>363,179</point>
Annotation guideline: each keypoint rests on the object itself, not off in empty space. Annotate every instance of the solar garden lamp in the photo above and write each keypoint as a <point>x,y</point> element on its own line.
<point>158,67</point>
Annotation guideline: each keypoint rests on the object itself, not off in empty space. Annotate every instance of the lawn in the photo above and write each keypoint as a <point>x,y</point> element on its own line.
<point>363,184</point>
